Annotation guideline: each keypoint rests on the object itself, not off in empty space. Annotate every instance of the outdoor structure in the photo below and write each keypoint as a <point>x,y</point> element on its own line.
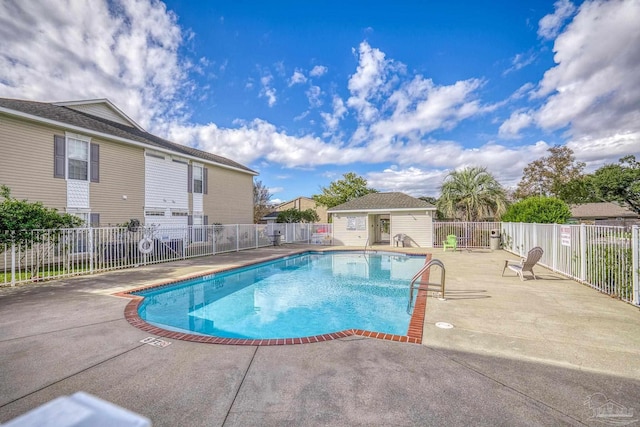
<point>379,217</point>
<point>605,213</point>
<point>89,159</point>
<point>300,204</point>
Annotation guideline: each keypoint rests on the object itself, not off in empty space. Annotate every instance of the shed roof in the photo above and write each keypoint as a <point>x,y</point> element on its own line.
<point>601,210</point>
<point>64,115</point>
<point>383,201</point>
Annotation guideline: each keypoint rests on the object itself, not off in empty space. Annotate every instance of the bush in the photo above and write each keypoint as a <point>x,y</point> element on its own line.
<point>540,210</point>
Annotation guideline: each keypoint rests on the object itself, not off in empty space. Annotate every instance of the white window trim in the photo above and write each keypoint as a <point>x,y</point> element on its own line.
<point>193,178</point>
<point>82,138</point>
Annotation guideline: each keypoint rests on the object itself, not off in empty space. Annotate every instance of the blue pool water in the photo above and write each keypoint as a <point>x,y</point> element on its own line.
<point>299,296</point>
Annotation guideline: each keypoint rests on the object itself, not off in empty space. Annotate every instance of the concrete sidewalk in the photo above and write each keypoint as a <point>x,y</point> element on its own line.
<point>545,352</point>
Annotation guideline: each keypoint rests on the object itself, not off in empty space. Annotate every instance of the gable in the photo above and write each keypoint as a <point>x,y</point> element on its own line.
<point>102,108</point>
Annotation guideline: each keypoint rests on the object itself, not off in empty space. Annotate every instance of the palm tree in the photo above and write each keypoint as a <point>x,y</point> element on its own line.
<point>472,193</point>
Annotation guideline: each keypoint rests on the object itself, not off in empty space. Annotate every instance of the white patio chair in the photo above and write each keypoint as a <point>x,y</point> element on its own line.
<point>526,264</point>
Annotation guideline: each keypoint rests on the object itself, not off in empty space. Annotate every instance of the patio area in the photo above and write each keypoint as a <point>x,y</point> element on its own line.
<point>545,352</point>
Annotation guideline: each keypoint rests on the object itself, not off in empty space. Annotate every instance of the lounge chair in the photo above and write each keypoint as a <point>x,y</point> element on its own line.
<point>526,264</point>
<point>451,242</point>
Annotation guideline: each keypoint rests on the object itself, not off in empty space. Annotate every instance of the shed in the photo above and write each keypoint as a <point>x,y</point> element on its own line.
<point>383,218</point>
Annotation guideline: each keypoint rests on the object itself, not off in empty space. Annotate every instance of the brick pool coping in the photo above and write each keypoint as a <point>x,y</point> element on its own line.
<point>414,333</point>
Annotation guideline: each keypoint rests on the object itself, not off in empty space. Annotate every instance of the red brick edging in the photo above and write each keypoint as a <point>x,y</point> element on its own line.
<point>414,333</point>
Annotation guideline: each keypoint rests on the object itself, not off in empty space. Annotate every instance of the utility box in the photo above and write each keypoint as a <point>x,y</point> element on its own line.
<point>494,239</point>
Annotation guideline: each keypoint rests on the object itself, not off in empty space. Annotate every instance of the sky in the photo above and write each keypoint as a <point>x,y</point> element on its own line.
<point>401,93</point>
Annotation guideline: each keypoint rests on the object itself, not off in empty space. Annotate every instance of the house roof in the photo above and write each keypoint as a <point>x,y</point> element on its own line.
<point>601,210</point>
<point>62,115</point>
<point>271,215</point>
<point>382,201</point>
<point>293,200</point>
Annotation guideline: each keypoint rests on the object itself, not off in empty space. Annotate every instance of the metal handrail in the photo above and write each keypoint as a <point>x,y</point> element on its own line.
<point>365,245</point>
<point>426,286</point>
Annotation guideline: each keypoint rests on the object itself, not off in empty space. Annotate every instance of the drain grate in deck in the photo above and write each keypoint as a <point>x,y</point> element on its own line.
<point>156,342</point>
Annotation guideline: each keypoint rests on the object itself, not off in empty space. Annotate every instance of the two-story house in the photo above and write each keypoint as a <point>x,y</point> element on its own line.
<point>90,159</point>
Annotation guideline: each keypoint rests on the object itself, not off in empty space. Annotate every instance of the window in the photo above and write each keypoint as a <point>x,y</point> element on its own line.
<point>78,159</point>
<point>197,179</point>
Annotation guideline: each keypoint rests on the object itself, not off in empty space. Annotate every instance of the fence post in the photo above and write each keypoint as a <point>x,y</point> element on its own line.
<point>13,263</point>
<point>237,237</point>
<point>554,249</point>
<point>635,256</point>
<point>255,227</point>
<point>91,250</point>
<point>583,252</point>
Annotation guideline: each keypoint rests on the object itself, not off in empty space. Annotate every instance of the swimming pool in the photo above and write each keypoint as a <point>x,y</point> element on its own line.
<point>309,294</point>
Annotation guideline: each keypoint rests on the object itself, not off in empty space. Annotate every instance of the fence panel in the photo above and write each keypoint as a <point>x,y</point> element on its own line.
<point>469,234</point>
<point>603,257</point>
<point>51,254</point>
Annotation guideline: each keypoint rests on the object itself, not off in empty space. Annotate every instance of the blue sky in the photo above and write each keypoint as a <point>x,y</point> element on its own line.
<point>302,92</point>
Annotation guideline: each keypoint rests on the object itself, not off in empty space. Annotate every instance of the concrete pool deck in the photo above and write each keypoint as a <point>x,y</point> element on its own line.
<point>545,352</point>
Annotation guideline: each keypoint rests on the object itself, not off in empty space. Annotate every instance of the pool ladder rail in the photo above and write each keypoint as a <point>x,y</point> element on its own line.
<point>426,286</point>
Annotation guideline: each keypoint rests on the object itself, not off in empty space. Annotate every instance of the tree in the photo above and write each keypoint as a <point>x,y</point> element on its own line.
<point>472,194</point>
<point>341,191</point>
<point>294,215</point>
<point>578,190</point>
<point>24,223</point>
<point>541,210</point>
<point>261,197</point>
<point>548,175</point>
<point>434,202</point>
<point>619,182</point>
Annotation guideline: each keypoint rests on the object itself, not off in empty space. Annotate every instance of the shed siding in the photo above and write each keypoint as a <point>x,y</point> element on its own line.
<point>26,163</point>
<point>230,197</point>
<point>121,174</point>
<point>100,110</point>
<point>342,236</point>
<point>416,225</point>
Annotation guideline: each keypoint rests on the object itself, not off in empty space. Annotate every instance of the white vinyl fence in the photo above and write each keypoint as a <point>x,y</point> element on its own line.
<point>603,257</point>
<point>52,254</point>
<point>469,234</point>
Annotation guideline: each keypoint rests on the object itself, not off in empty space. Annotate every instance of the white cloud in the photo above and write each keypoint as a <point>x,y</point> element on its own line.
<point>313,95</point>
<point>421,106</point>
<point>318,70</point>
<point>514,124</point>
<point>332,120</point>
<point>128,51</point>
<point>69,50</point>
<point>550,25</point>
<point>520,61</point>
<point>367,81</point>
<point>267,91</point>
<point>297,78</point>
<point>594,90</point>
<point>438,159</point>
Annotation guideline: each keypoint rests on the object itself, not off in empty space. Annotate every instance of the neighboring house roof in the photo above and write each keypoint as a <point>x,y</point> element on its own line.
<point>601,210</point>
<point>270,215</point>
<point>383,202</point>
<point>62,115</point>
<point>294,200</point>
